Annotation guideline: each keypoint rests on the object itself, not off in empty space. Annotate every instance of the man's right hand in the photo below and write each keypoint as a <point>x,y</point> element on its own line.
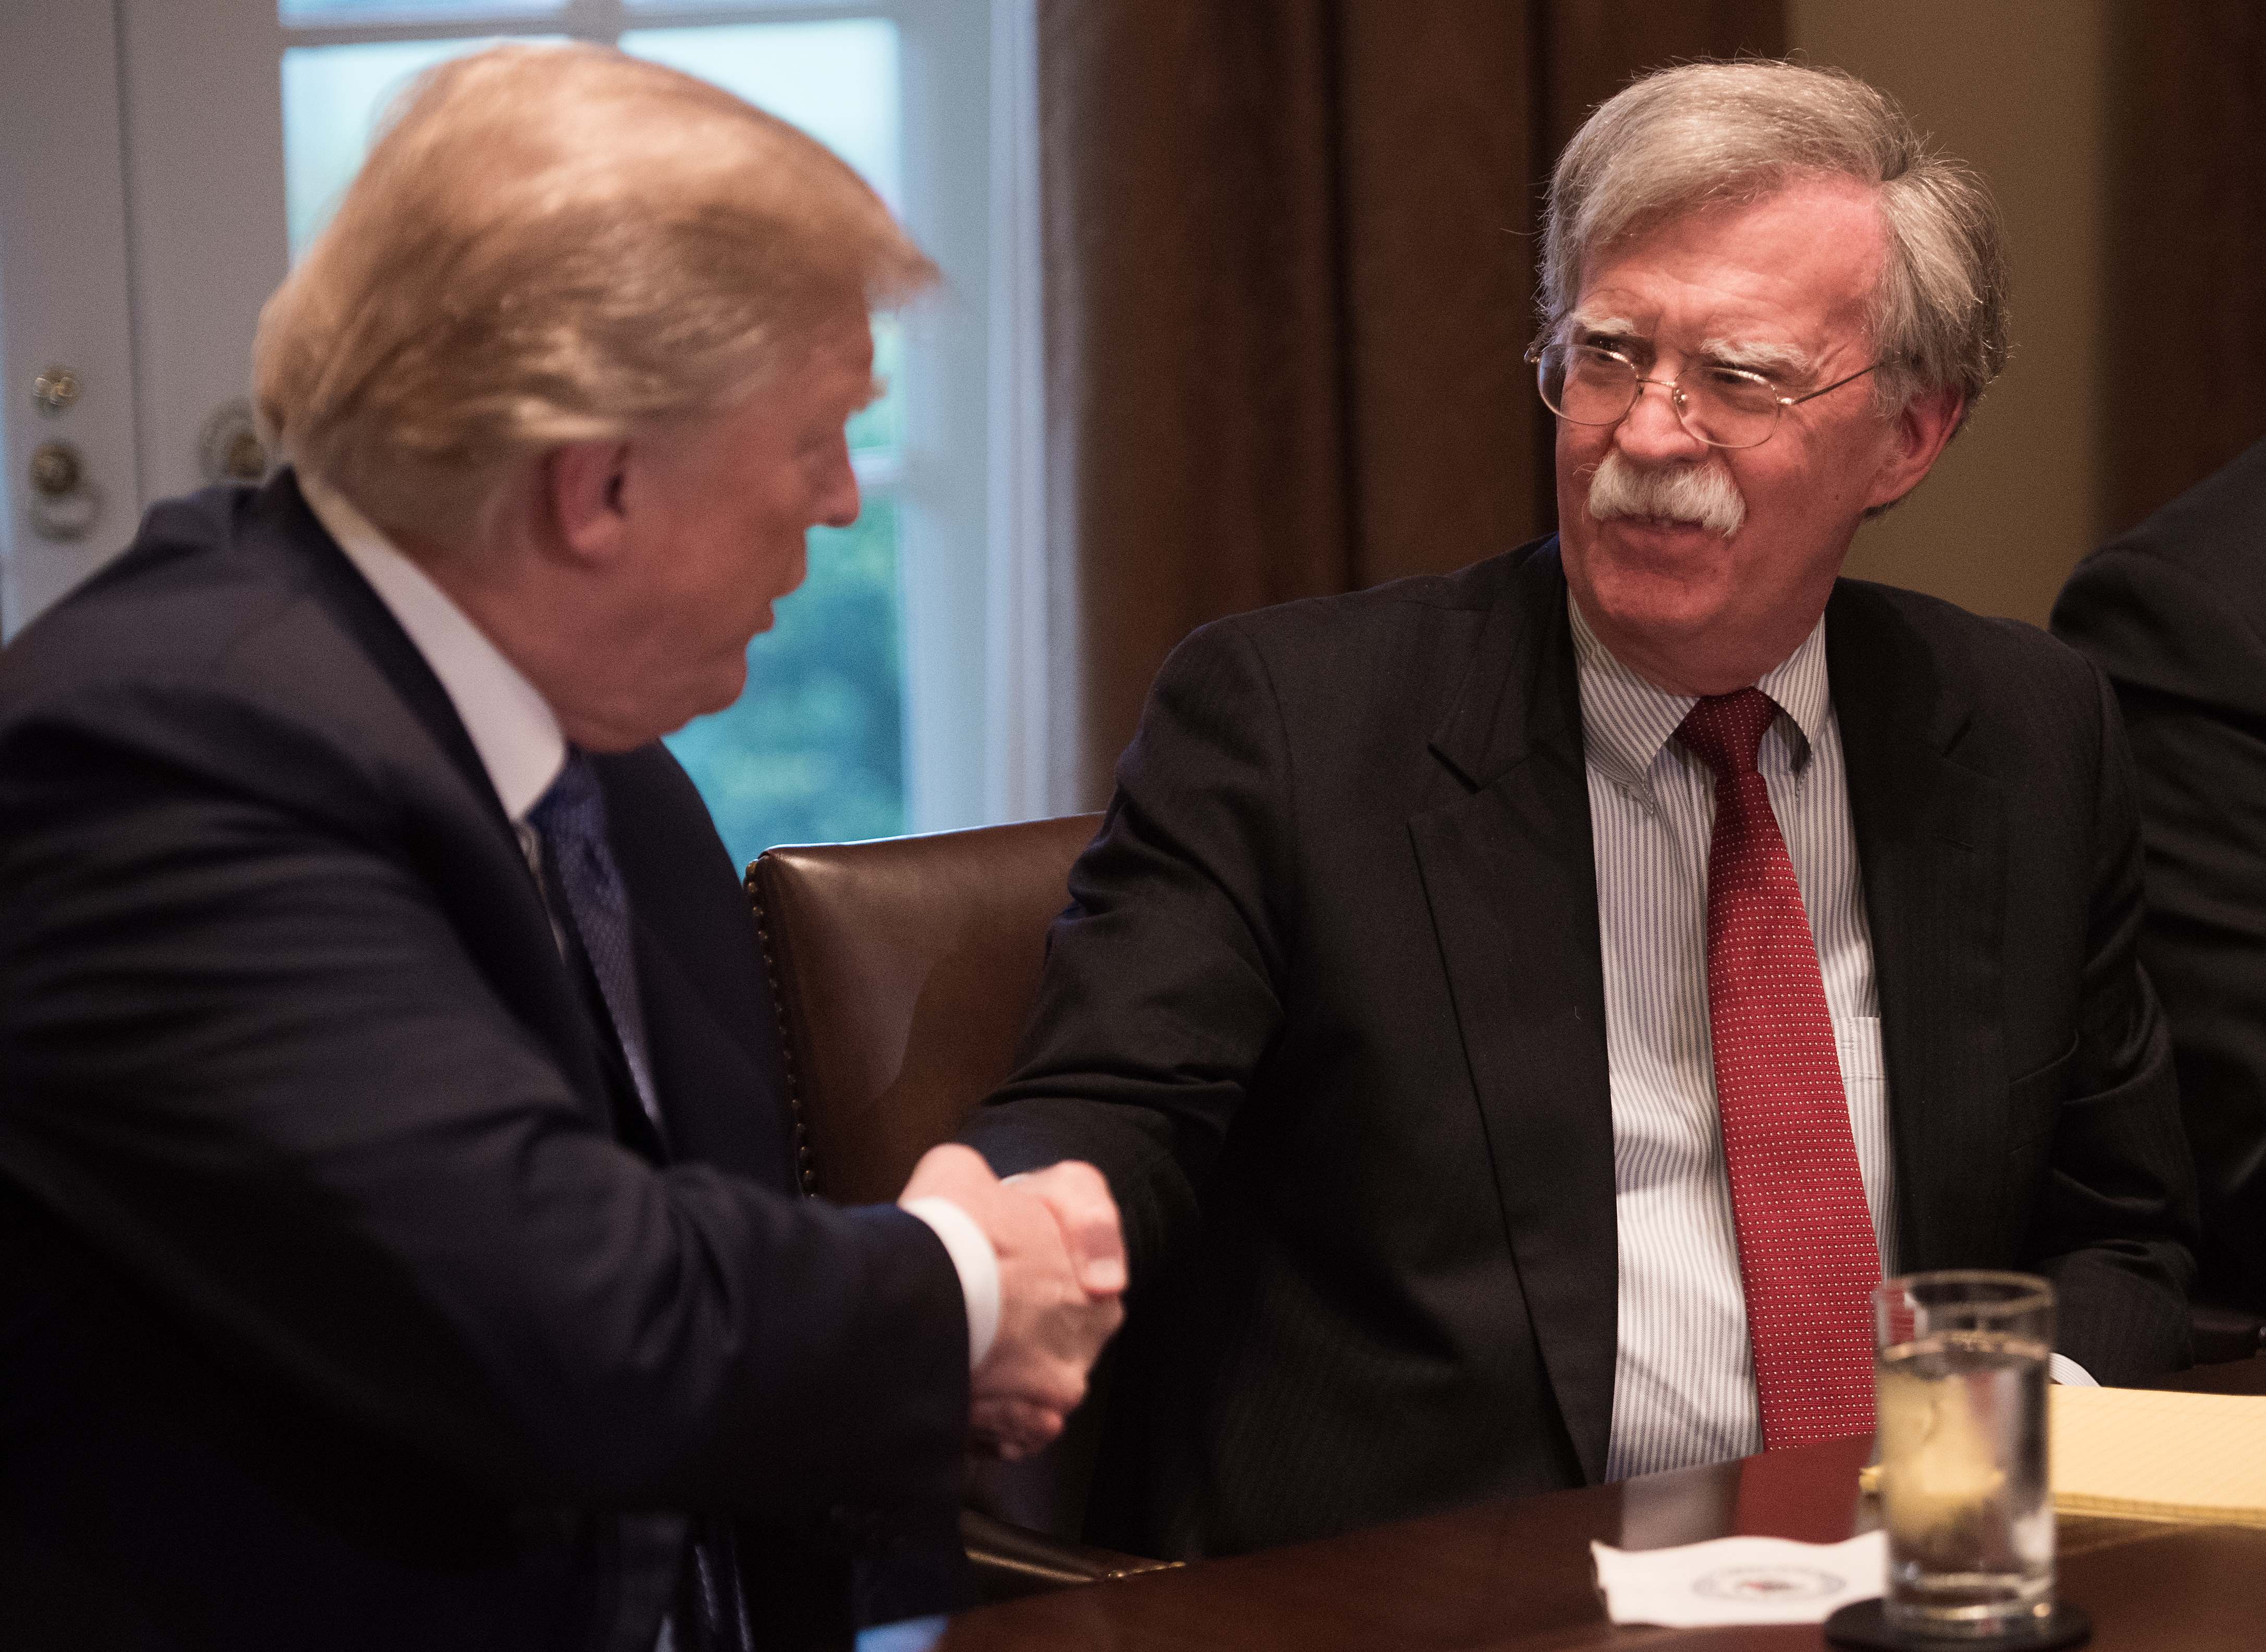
<point>1062,1273</point>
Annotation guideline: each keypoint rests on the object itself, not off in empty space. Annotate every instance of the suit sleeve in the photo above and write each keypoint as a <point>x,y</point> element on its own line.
<point>248,1057</point>
<point>2115,1230</point>
<point>2191,676</point>
<point>1159,997</point>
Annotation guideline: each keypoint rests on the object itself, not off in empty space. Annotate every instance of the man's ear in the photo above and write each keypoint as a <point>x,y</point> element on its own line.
<point>581,485</point>
<point>1921,431</point>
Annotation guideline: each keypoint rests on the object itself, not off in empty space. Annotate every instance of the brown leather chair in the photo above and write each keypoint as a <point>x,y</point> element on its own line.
<point>902,970</point>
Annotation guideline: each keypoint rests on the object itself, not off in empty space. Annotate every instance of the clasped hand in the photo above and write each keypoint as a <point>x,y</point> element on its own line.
<point>1062,1274</point>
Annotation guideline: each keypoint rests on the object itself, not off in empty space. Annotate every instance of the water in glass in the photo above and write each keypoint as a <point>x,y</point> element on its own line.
<point>1963,1494</point>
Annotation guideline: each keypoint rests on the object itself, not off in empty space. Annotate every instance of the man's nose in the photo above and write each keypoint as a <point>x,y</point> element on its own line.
<point>1652,433</point>
<point>837,505</point>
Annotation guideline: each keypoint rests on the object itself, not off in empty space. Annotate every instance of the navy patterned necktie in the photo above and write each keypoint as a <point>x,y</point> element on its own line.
<point>571,820</point>
<point>689,1569</point>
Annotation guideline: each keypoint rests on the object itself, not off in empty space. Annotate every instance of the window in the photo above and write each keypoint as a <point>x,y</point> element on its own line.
<point>885,698</point>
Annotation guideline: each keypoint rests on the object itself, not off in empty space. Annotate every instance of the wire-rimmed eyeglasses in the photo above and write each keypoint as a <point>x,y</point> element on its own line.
<point>1723,406</point>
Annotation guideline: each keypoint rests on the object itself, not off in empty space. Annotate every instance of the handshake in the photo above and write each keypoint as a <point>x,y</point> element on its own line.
<point>1062,1272</point>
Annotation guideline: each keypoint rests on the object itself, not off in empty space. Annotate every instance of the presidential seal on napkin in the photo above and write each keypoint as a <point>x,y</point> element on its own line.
<point>1739,1580</point>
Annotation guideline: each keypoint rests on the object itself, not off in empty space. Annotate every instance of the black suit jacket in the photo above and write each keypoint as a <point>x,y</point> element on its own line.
<point>1329,1011</point>
<point>331,1313</point>
<point>2175,613</point>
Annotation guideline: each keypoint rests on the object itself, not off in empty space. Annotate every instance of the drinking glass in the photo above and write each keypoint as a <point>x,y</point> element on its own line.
<point>1960,1362</point>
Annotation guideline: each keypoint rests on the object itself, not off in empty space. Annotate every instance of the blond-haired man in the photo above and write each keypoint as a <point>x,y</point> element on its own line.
<point>404,1244</point>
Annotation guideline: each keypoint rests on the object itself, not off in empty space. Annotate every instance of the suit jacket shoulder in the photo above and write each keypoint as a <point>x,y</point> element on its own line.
<point>2175,608</point>
<point>1983,656</point>
<point>2209,533</point>
<point>1996,696</point>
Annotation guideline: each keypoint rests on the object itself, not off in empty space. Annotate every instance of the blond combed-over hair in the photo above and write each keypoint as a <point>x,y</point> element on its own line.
<point>557,243</point>
<point>1706,134</point>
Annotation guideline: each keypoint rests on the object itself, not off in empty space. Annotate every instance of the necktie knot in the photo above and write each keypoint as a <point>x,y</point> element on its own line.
<point>571,820</point>
<point>573,805</point>
<point>1725,731</point>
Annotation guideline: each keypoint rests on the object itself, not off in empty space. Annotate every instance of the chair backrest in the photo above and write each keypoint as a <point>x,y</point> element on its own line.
<point>902,971</point>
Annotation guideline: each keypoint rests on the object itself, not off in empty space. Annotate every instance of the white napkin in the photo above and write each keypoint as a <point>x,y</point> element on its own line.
<point>1740,1580</point>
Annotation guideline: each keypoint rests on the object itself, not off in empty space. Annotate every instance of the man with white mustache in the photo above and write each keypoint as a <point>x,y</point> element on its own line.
<point>1703,495</point>
<point>1522,1014</point>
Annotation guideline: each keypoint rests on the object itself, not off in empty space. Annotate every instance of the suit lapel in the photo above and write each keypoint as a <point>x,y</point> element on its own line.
<point>1511,878</point>
<point>721,1110</point>
<point>710,1028</point>
<point>1931,844</point>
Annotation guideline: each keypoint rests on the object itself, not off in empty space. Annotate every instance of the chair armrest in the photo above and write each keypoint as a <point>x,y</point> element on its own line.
<point>1011,1561</point>
<point>2219,1334</point>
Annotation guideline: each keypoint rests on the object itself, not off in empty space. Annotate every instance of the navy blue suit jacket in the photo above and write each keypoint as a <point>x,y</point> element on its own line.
<point>332,1312</point>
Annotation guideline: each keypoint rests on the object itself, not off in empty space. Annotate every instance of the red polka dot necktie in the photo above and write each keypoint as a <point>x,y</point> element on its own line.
<point>1808,1257</point>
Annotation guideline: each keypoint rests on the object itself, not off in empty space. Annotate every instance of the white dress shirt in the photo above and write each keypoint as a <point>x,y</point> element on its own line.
<point>517,736</point>
<point>1683,1379</point>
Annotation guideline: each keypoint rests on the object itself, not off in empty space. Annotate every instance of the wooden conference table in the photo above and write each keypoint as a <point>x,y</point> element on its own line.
<point>1515,1574</point>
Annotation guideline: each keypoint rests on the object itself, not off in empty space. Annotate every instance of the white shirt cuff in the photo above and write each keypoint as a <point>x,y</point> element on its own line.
<point>977,1265</point>
<point>2060,1368</point>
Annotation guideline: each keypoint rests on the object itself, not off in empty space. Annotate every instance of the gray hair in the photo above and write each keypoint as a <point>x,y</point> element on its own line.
<point>1707,133</point>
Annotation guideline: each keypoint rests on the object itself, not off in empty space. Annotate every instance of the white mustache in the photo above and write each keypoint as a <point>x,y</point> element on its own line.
<point>1703,495</point>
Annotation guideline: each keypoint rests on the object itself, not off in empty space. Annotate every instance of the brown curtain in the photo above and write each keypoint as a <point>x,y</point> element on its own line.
<point>2187,275</point>
<point>1289,257</point>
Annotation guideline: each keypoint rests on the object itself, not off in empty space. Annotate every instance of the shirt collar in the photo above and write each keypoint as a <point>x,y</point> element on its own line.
<point>1625,720</point>
<point>511,725</point>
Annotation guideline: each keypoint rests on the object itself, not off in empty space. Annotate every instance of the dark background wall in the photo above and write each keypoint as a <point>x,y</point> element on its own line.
<point>2018,89</point>
<point>2126,141</point>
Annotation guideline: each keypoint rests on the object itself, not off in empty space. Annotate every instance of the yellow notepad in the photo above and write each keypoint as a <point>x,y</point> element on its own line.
<point>2140,1454</point>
